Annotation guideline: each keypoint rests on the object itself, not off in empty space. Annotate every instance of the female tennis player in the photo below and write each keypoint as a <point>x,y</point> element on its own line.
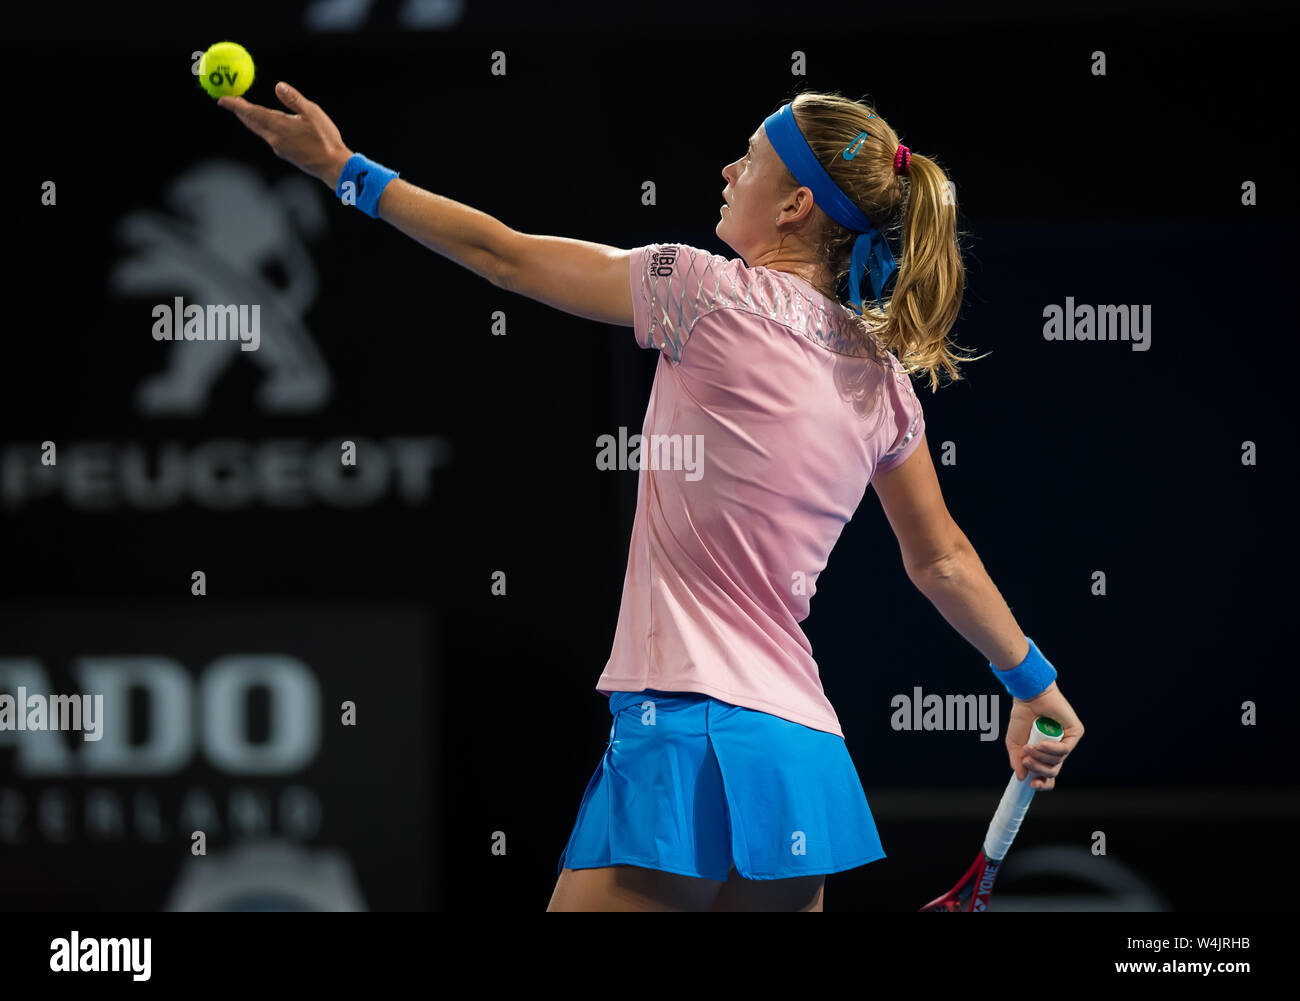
<point>726,783</point>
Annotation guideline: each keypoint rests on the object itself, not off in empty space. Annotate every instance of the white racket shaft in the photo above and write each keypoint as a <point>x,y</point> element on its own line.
<point>1015,801</point>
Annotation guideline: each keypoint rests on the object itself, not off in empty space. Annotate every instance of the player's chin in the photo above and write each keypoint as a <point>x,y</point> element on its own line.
<point>723,234</point>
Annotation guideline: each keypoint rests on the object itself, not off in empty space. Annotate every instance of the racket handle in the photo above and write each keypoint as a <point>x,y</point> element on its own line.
<point>1016,798</point>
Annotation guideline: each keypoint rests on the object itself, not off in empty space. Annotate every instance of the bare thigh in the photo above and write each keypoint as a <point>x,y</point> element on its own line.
<point>799,893</point>
<point>631,888</point>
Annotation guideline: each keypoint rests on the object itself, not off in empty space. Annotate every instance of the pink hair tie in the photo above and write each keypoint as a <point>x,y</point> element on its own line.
<point>902,158</point>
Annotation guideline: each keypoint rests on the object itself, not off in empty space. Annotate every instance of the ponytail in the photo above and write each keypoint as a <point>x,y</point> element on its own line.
<point>915,204</point>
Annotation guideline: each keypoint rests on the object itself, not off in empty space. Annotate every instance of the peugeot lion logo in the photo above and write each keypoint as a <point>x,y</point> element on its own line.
<point>229,227</point>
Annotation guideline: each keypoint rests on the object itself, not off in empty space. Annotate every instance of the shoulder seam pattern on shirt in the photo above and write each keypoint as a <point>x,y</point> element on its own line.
<point>906,438</point>
<point>742,298</point>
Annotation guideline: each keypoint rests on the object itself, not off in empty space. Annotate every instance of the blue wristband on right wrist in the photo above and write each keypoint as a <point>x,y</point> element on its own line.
<point>1030,678</point>
<point>365,180</point>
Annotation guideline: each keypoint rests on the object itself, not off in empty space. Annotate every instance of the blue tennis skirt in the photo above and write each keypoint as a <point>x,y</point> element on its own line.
<point>690,784</point>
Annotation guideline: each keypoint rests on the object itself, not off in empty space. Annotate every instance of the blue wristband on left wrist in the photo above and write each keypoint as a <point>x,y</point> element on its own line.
<point>362,182</point>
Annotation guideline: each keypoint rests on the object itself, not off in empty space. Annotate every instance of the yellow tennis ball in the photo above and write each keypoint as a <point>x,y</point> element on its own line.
<point>226,70</point>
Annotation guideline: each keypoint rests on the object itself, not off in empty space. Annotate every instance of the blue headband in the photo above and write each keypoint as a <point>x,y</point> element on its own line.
<point>870,251</point>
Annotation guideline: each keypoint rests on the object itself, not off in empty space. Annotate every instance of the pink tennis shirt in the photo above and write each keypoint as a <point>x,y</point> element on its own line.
<point>766,422</point>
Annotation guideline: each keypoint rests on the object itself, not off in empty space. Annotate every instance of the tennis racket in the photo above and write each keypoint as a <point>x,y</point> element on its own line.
<point>972,892</point>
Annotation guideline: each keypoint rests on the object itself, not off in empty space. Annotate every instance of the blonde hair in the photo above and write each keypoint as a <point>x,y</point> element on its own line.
<point>917,207</point>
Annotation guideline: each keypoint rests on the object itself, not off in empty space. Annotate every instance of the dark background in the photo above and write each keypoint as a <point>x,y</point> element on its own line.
<point>477,713</point>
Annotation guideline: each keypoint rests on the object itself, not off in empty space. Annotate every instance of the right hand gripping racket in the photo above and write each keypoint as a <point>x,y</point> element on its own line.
<point>972,892</point>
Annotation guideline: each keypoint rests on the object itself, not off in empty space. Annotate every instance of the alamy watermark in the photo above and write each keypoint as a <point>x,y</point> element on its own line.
<point>951,712</point>
<point>75,954</point>
<point>665,451</point>
<point>1098,323</point>
<point>179,322</point>
<point>52,712</point>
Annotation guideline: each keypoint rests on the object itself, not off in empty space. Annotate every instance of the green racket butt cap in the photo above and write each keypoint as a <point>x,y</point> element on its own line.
<point>1049,726</point>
